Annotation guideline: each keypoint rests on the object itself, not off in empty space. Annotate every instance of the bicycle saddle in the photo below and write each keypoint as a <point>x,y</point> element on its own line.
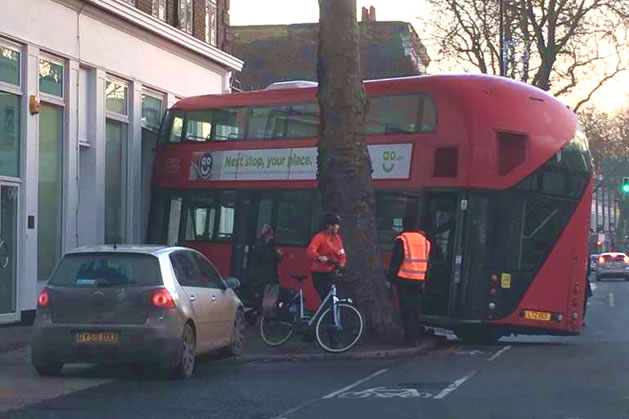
<point>299,278</point>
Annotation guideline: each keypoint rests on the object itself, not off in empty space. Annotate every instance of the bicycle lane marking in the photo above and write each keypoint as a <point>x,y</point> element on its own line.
<point>456,384</point>
<point>331,395</point>
<point>356,384</point>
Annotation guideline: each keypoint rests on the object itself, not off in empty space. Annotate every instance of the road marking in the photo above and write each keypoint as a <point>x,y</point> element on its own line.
<point>357,383</point>
<point>611,299</point>
<point>285,415</point>
<point>497,354</point>
<point>454,386</point>
<point>385,393</point>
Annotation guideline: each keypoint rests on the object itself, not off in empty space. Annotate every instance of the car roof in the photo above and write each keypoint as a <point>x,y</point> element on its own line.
<point>127,248</point>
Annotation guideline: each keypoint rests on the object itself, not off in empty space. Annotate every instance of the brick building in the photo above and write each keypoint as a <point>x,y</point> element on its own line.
<point>83,86</point>
<point>273,53</point>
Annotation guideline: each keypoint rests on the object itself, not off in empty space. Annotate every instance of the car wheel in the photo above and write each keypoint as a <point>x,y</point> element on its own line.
<point>185,367</point>
<point>52,368</point>
<point>238,334</point>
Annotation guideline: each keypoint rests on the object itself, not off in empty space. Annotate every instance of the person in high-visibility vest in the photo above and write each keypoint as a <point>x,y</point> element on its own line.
<point>408,269</point>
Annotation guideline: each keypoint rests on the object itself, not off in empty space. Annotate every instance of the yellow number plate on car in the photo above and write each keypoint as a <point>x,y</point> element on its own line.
<point>537,315</point>
<point>100,337</point>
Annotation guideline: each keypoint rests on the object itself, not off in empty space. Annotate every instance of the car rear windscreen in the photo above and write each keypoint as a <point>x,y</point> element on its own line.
<point>107,269</point>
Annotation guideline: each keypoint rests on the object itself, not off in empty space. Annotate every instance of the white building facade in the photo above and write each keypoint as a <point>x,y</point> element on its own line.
<point>83,86</point>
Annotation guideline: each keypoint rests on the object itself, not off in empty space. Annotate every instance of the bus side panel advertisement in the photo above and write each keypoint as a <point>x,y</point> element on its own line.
<point>389,161</point>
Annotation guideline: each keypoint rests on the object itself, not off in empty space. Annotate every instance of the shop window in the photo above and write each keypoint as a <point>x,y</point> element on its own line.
<point>50,189</point>
<point>185,15</point>
<point>211,18</point>
<point>151,112</point>
<point>115,182</point>
<point>116,94</point>
<point>9,66</point>
<point>9,134</point>
<point>159,9</point>
<point>50,78</point>
<point>400,114</point>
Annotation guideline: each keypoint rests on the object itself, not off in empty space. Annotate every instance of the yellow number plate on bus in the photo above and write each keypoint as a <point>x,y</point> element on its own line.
<point>537,315</point>
<point>100,337</point>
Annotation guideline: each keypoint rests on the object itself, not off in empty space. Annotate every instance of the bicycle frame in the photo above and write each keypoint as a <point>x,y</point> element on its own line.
<point>331,296</point>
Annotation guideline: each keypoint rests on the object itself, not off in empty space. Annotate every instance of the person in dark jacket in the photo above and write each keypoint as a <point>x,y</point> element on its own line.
<point>408,269</point>
<point>262,268</point>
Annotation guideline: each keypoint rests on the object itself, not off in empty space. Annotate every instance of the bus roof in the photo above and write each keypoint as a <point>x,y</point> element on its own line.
<point>442,83</point>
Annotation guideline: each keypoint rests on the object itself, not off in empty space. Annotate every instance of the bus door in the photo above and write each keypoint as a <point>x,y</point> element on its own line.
<point>442,224</point>
<point>469,294</point>
<point>244,236</point>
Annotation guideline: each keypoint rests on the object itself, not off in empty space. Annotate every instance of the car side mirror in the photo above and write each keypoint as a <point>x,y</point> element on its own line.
<point>232,282</point>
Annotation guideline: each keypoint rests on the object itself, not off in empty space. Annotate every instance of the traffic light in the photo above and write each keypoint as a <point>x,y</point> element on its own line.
<point>625,185</point>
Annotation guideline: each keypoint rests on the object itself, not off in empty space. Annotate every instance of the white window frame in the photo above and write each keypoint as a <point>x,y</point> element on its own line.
<point>47,97</point>
<point>155,9</point>
<point>181,25</point>
<point>157,95</point>
<point>208,21</point>
<point>8,87</point>
<point>115,115</point>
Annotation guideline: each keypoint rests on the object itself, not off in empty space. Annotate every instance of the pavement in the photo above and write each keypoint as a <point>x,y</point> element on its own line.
<point>16,338</point>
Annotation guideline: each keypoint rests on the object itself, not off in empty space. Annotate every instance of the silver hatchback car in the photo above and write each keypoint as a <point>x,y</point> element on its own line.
<point>612,264</point>
<point>135,304</point>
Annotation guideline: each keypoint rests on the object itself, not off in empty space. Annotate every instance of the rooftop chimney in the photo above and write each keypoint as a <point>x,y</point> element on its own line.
<point>372,14</point>
<point>365,14</point>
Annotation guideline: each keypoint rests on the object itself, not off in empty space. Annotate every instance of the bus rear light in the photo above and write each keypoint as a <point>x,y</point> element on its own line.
<point>575,315</point>
<point>494,278</point>
<point>493,291</point>
<point>559,317</point>
<point>492,306</point>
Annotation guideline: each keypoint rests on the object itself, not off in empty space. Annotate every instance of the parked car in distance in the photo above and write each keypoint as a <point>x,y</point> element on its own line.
<point>156,306</point>
<point>612,264</point>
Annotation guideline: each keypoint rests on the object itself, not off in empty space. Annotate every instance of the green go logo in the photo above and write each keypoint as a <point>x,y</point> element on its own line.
<point>388,161</point>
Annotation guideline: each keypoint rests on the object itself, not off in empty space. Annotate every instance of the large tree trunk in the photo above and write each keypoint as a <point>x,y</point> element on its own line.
<point>344,165</point>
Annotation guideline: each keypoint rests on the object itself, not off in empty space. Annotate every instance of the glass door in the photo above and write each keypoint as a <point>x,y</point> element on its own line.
<point>8,252</point>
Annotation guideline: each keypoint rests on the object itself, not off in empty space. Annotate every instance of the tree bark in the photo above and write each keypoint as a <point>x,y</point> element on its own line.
<point>344,166</point>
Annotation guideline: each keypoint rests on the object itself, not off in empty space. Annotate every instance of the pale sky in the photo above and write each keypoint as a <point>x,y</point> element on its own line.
<point>613,95</point>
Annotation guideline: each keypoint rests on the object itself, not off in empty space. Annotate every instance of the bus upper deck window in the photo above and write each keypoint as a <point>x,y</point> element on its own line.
<point>400,114</point>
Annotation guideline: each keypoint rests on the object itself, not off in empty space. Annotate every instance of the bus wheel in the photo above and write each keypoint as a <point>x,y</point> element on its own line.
<point>478,336</point>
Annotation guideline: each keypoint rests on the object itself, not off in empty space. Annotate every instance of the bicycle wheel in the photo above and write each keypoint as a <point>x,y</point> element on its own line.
<point>339,338</point>
<point>275,332</point>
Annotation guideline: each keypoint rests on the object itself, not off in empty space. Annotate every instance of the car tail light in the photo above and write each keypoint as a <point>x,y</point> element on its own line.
<point>601,260</point>
<point>626,260</point>
<point>162,299</point>
<point>44,298</point>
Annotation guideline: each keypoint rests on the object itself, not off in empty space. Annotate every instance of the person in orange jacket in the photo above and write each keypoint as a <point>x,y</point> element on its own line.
<point>325,250</point>
<point>408,269</point>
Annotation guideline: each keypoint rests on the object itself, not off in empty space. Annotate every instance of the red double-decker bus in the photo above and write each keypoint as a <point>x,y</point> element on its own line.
<point>498,173</point>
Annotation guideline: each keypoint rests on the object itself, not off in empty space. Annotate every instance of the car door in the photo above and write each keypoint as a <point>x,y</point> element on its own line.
<point>186,271</point>
<point>223,302</point>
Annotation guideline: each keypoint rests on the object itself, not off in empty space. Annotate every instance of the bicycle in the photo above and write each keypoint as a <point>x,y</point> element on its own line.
<point>337,323</point>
